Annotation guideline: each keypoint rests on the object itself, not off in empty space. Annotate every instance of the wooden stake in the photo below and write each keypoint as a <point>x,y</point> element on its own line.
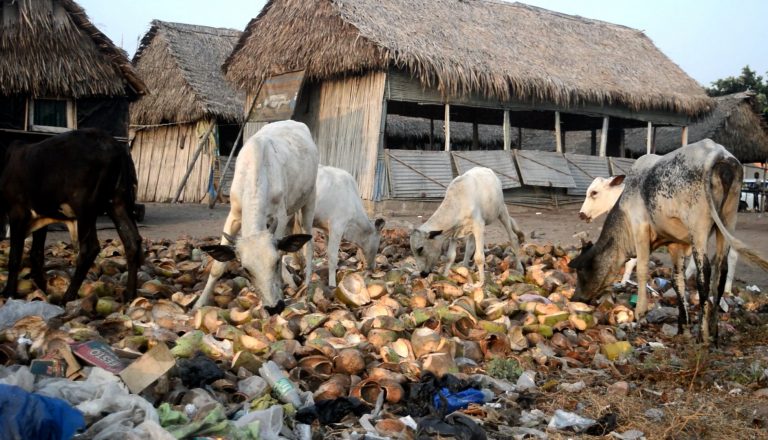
<point>685,135</point>
<point>447,127</point>
<point>558,136</point>
<point>649,139</point>
<point>507,131</point>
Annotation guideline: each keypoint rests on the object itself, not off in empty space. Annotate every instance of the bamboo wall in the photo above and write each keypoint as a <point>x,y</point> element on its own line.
<point>162,155</point>
<point>347,126</point>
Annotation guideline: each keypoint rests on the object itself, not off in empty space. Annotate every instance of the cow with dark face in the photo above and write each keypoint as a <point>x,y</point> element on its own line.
<point>676,202</point>
<point>69,178</point>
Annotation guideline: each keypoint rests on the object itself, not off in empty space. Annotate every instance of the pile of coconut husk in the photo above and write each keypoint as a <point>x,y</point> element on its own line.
<point>377,337</point>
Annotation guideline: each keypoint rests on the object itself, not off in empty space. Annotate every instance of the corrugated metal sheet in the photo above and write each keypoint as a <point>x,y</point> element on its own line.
<point>418,174</point>
<point>500,161</point>
<point>620,165</point>
<point>543,168</point>
<point>226,184</point>
<point>381,184</point>
<point>584,169</point>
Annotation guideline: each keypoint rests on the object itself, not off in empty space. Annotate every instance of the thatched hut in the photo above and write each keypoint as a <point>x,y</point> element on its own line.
<point>353,63</point>
<point>736,123</point>
<point>58,72</point>
<point>192,107</point>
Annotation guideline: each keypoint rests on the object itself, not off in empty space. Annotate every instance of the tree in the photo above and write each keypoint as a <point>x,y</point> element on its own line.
<point>748,80</point>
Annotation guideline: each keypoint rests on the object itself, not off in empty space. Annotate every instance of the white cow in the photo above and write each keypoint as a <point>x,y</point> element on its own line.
<point>339,213</point>
<point>676,202</point>
<point>274,180</point>
<point>472,201</point>
<point>602,195</point>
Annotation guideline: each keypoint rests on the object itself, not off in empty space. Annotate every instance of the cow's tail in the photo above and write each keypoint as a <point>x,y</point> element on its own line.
<point>740,247</point>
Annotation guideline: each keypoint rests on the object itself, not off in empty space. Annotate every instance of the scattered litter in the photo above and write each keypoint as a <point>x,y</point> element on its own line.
<point>567,420</point>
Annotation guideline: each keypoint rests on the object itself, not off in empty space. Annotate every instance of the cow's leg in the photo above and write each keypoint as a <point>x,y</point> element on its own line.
<point>469,249</point>
<point>629,267</point>
<point>702,284</point>
<point>677,253</point>
<point>18,231</point>
<point>332,251</point>
<point>231,228</point>
<point>37,257</point>
<point>89,249</point>
<point>450,256</point>
<point>72,228</point>
<point>643,250</point>
<point>307,217</point>
<point>510,225</point>
<point>129,235</point>
<point>478,231</point>
<point>733,257</point>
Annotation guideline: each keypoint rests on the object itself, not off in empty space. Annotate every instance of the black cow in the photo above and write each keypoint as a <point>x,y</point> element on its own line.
<point>70,178</point>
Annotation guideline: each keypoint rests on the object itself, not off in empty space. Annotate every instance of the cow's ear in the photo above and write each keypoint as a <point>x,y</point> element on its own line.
<point>292,243</point>
<point>617,180</point>
<point>379,224</point>
<point>220,252</point>
<point>433,234</point>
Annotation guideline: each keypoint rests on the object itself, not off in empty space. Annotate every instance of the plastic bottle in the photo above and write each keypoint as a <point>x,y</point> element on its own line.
<point>280,384</point>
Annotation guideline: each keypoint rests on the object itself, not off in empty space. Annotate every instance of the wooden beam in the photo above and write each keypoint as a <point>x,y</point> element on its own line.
<point>649,139</point>
<point>558,137</point>
<point>447,127</point>
<point>475,136</point>
<point>685,135</point>
<point>604,136</point>
<point>507,131</point>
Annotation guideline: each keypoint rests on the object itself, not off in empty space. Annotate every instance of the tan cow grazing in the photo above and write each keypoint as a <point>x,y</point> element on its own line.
<point>274,180</point>
<point>676,202</point>
<point>339,213</point>
<point>472,201</point>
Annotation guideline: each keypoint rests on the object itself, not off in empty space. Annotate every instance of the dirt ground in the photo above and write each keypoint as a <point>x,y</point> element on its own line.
<point>167,221</point>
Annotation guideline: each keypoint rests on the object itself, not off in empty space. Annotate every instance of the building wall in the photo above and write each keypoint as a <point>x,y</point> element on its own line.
<point>162,156</point>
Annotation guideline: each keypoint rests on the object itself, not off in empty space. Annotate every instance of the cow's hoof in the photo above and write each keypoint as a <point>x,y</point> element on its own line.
<point>276,309</point>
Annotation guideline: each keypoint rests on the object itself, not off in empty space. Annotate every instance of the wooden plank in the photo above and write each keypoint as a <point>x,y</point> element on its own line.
<point>685,135</point>
<point>157,155</point>
<point>544,168</point>
<point>447,127</point>
<point>501,162</point>
<point>419,174</point>
<point>558,134</point>
<point>584,169</point>
<point>620,165</point>
<point>649,138</point>
<point>604,137</point>
<point>507,131</point>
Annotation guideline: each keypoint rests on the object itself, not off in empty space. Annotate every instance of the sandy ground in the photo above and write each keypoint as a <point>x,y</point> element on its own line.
<point>166,221</point>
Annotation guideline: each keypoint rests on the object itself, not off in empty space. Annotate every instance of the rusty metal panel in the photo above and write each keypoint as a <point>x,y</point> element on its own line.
<point>544,168</point>
<point>415,174</point>
<point>620,165</point>
<point>277,97</point>
<point>500,161</point>
<point>584,169</point>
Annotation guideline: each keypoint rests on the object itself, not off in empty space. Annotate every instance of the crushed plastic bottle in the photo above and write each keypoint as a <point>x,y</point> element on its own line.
<point>280,384</point>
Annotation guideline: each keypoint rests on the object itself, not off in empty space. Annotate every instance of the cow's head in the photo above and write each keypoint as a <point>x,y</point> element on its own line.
<point>426,247</point>
<point>602,194</point>
<point>259,254</point>
<point>594,268</point>
<point>372,242</point>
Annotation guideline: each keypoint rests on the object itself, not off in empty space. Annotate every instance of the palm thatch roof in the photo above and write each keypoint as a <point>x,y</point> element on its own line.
<point>504,51</point>
<point>736,124</point>
<point>181,63</point>
<point>50,48</point>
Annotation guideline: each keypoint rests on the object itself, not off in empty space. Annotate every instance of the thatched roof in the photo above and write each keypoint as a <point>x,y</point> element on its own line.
<point>505,51</point>
<point>181,63</point>
<point>50,48</point>
<point>736,124</point>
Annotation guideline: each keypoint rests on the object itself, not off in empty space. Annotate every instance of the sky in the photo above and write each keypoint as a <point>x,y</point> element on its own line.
<point>708,39</point>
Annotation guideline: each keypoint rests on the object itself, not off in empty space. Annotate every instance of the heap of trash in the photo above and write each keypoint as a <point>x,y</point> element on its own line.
<point>385,355</point>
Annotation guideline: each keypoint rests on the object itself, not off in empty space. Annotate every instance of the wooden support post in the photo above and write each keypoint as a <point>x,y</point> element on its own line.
<point>649,139</point>
<point>653,144</point>
<point>203,142</point>
<point>507,131</point>
<point>519,138</point>
<point>604,136</point>
<point>685,135</point>
<point>447,127</point>
<point>558,136</point>
<point>475,136</point>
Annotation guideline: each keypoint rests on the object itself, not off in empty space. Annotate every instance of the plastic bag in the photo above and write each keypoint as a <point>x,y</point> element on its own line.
<point>15,309</point>
<point>270,422</point>
<point>564,420</point>
<point>26,415</point>
<point>461,399</point>
<point>19,376</point>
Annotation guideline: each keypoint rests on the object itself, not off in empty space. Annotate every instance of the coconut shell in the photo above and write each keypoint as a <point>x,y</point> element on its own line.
<point>349,361</point>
